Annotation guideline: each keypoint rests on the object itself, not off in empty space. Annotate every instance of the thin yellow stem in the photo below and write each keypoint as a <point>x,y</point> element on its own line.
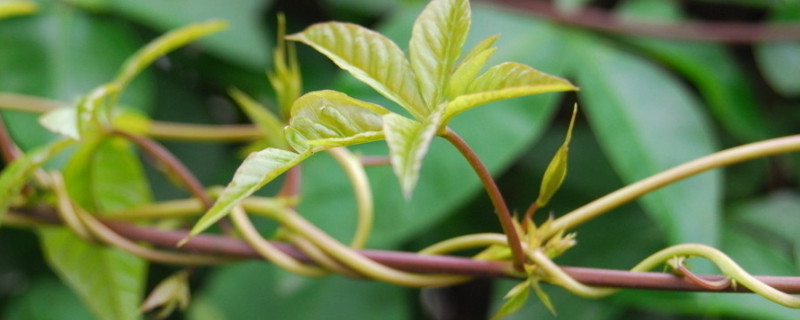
<point>624,195</point>
<point>267,250</point>
<point>182,208</point>
<point>557,276</point>
<point>465,242</point>
<point>65,209</point>
<point>319,256</point>
<point>362,190</point>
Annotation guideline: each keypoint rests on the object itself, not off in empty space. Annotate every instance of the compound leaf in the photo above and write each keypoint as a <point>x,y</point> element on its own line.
<point>370,57</point>
<point>408,142</point>
<point>470,66</point>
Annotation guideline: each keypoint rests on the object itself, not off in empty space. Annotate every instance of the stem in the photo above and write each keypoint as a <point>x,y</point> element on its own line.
<point>501,209</point>
<point>719,159</point>
<point>163,210</point>
<point>319,257</point>
<point>267,250</point>
<point>362,190</point>
<point>465,242</point>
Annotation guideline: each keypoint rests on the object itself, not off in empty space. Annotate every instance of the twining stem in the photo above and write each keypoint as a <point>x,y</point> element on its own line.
<point>362,190</point>
<point>719,159</point>
<point>501,209</point>
<point>157,129</point>
<point>469,241</point>
<point>267,250</point>
<point>318,256</point>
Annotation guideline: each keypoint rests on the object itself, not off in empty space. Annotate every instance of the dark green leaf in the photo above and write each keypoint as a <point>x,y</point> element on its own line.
<point>60,301</point>
<point>647,122</point>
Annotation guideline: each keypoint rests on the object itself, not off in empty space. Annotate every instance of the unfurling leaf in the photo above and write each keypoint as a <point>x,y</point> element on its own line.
<point>557,169</point>
<point>436,40</point>
<point>63,121</point>
<point>172,292</point>
<point>517,297</point>
<point>326,119</point>
<point>470,66</point>
<point>543,296</point>
<point>285,78</point>
<point>16,174</point>
<point>370,57</point>
<point>264,120</point>
<point>408,142</point>
<point>17,8</point>
<point>258,169</point>
<point>504,81</point>
<point>163,45</point>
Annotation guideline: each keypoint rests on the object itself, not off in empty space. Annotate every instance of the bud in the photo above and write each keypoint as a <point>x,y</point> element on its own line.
<point>557,169</point>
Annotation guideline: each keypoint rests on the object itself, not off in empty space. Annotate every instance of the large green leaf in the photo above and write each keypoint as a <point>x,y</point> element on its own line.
<point>503,81</point>
<point>17,173</point>
<point>325,119</point>
<point>271,292</point>
<point>647,122</point>
<point>436,41</point>
<point>61,53</point>
<point>780,61</point>
<point>247,43</point>
<point>716,73</point>
<point>106,175</point>
<point>408,142</point>
<point>258,169</point>
<point>109,281</point>
<point>60,301</point>
<point>776,215</point>
<point>498,135</point>
<point>370,57</point>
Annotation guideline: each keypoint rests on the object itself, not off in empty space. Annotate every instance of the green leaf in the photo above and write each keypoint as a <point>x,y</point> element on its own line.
<point>780,64</point>
<point>436,40</point>
<point>105,175</point>
<point>170,293</point>
<point>646,122</point>
<point>516,300</point>
<point>408,142</point>
<point>470,66</point>
<point>370,57</point>
<point>63,121</point>
<point>163,45</point>
<point>17,173</point>
<point>246,43</point>
<point>326,119</point>
<point>60,301</point>
<point>108,280</point>
<point>16,8</point>
<point>265,120</point>
<point>258,169</point>
<point>286,79</point>
<point>504,81</point>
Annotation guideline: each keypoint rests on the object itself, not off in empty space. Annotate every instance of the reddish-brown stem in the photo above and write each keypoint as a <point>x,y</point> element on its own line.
<point>375,160</point>
<point>291,185</point>
<point>602,20</point>
<point>413,262</point>
<point>172,163</point>
<point>501,209</point>
<point>8,148</point>
<point>716,285</point>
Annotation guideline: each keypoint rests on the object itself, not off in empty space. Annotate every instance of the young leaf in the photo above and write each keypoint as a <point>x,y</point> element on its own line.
<point>470,66</point>
<point>16,8</point>
<point>93,107</point>
<point>408,142</point>
<point>517,297</point>
<point>543,297</point>
<point>370,57</point>
<point>286,78</point>
<point>436,40</point>
<point>504,81</point>
<point>266,121</point>
<point>108,280</point>
<point>557,169</point>
<point>17,173</point>
<point>163,45</point>
<point>332,119</point>
<point>63,121</point>
<point>258,169</point>
<point>170,293</point>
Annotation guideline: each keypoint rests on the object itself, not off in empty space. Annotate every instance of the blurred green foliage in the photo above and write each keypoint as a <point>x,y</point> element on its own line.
<point>646,105</point>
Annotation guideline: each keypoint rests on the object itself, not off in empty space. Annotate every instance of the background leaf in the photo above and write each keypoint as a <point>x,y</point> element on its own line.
<point>641,115</point>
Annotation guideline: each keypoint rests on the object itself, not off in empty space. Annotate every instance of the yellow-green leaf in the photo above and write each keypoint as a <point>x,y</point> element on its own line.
<point>408,142</point>
<point>470,66</point>
<point>163,45</point>
<point>557,169</point>
<point>285,78</point>
<point>504,81</point>
<point>326,119</point>
<point>63,121</point>
<point>17,8</point>
<point>265,120</point>
<point>170,293</point>
<point>370,57</point>
<point>258,169</point>
<point>16,174</point>
<point>517,297</point>
<point>436,40</point>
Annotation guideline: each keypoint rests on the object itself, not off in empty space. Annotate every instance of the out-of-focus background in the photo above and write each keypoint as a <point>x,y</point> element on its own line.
<point>647,102</point>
